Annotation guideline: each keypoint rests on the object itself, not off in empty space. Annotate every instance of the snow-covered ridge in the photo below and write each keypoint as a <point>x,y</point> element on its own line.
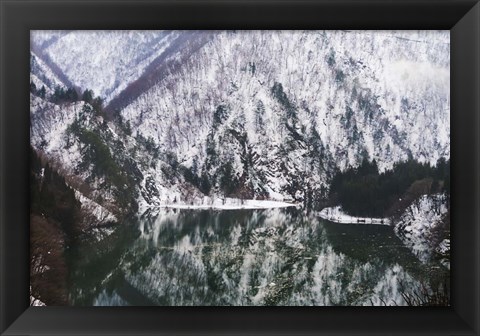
<point>51,134</point>
<point>373,64</point>
<point>42,75</point>
<point>294,106</point>
<point>380,94</point>
<point>99,213</point>
<point>104,61</point>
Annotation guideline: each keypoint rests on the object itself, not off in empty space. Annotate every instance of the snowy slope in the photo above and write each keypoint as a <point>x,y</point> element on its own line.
<point>381,94</point>
<point>52,134</point>
<point>260,114</point>
<point>49,123</point>
<point>98,213</point>
<point>236,119</point>
<point>103,61</point>
<point>42,75</point>
<point>44,38</point>
<point>402,76</point>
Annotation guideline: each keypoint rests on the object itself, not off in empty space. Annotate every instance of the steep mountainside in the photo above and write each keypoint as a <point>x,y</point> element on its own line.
<point>89,153</point>
<point>106,61</point>
<point>258,114</point>
<point>275,111</point>
<point>42,75</point>
<point>123,122</point>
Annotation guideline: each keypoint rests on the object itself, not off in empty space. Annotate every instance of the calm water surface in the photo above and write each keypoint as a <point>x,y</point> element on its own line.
<point>246,257</point>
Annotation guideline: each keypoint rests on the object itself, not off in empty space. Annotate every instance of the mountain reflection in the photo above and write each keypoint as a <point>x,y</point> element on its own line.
<point>255,257</point>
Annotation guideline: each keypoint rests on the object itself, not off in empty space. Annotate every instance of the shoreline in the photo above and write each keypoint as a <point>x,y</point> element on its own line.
<point>228,204</point>
<point>336,215</point>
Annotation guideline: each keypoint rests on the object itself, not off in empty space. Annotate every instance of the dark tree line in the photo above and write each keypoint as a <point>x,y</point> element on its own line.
<point>54,218</point>
<point>100,154</point>
<point>51,197</point>
<point>41,92</point>
<point>96,102</point>
<point>105,165</point>
<point>60,95</point>
<point>364,191</point>
<point>63,95</point>
<point>290,118</point>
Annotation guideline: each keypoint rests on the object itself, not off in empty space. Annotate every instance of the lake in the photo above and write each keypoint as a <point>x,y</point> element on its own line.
<point>246,257</point>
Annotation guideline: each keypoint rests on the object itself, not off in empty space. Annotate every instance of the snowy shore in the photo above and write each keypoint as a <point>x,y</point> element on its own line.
<point>335,214</point>
<point>225,204</point>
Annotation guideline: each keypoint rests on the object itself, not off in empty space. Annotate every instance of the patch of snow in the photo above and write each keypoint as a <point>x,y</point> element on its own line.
<point>444,246</point>
<point>100,213</point>
<point>335,214</point>
<point>34,301</point>
<point>225,204</point>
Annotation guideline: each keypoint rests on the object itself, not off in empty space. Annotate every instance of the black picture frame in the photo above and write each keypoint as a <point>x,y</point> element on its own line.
<point>18,17</point>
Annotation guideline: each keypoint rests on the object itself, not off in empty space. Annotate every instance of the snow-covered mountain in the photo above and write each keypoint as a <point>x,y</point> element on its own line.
<point>52,134</point>
<point>282,109</point>
<point>42,75</point>
<point>257,114</point>
<point>240,119</point>
<point>107,61</point>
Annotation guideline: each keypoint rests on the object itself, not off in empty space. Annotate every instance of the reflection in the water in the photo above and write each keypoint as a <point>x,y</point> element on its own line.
<point>249,257</point>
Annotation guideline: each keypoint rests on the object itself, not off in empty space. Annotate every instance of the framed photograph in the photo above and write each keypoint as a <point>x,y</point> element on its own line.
<point>239,167</point>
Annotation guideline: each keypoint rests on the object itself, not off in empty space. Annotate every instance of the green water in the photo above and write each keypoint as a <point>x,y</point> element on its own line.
<point>246,257</point>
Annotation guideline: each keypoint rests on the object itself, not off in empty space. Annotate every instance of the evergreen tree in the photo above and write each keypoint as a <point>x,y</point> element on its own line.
<point>205,185</point>
<point>87,96</point>
<point>259,117</point>
<point>363,191</point>
<point>71,95</point>
<point>128,128</point>
<point>33,88</point>
<point>220,115</point>
<point>195,165</point>
<point>58,94</point>
<point>42,92</point>
<point>97,104</point>
<point>211,152</point>
<point>290,111</point>
<point>228,182</point>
